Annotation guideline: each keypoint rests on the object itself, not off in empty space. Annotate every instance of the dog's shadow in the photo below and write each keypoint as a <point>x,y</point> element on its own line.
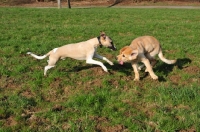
<point>81,68</point>
<point>128,70</point>
<point>160,68</point>
<point>166,68</point>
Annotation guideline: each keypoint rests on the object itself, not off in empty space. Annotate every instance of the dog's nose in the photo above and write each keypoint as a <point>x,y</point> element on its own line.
<point>113,48</point>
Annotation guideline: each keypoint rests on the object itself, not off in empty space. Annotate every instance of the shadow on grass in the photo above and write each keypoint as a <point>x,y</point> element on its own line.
<point>81,68</point>
<point>166,69</point>
<point>128,70</point>
<point>163,67</point>
<point>112,69</point>
<point>182,62</point>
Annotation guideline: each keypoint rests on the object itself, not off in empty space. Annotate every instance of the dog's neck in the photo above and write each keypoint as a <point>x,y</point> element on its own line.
<point>100,44</point>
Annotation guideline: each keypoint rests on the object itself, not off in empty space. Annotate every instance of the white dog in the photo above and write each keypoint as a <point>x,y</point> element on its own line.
<point>80,51</point>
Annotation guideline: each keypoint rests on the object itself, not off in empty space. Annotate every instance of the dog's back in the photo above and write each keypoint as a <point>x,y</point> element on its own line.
<point>146,44</point>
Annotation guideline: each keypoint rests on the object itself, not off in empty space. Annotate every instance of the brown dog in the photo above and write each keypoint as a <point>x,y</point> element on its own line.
<point>143,49</point>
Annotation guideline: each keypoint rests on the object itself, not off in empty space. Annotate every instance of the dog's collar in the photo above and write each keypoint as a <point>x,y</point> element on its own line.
<point>100,44</point>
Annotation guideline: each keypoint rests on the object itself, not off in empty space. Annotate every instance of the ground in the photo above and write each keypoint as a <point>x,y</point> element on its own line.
<point>9,82</point>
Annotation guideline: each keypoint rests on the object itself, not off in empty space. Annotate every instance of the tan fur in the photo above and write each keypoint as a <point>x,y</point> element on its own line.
<point>143,49</point>
<point>85,50</point>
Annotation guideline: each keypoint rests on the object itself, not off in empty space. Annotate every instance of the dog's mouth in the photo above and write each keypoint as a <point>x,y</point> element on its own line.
<point>121,62</point>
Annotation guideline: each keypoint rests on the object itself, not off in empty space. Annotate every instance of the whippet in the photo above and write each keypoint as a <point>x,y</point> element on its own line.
<point>80,51</point>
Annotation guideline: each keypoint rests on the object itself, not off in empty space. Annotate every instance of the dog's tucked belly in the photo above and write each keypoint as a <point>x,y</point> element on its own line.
<point>74,56</point>
<point>78,57</point>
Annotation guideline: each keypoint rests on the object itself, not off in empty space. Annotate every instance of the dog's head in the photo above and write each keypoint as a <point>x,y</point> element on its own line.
<point>106,41</point>
<point>127,54</point>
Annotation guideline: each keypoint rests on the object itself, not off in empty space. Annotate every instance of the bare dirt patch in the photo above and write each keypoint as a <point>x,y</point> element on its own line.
<point>10,122</point>
<point>191,70</point>
<point>103,127</point>
<point>175,79</point>
<point>9,82</point>
<point>27,93</point>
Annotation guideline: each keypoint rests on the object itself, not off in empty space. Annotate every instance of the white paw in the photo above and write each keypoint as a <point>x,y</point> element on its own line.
<point>28,53</point>
<point>105,69</point>
<point>111,63</point>
<point>155,77</point>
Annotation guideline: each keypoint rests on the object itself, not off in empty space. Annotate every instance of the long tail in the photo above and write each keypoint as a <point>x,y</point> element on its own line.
<point>38,57</point>
<point>160,55</point>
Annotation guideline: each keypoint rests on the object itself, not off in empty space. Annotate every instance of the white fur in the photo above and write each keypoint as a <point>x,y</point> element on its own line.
<point>54,50</point>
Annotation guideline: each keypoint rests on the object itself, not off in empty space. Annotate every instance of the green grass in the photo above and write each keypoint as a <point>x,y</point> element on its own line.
<point>76,96</point>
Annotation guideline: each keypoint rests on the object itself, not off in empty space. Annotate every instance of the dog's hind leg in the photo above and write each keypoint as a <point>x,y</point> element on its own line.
<point>102,58</point>
<point>46,68</point>
<point>149,68</point>
<point>51,63</point>
<point>91,61</point>
<point>151,59</point>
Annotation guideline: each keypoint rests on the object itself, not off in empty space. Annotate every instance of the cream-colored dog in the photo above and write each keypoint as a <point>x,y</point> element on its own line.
<point>80,51</point>
<point>143,49</point>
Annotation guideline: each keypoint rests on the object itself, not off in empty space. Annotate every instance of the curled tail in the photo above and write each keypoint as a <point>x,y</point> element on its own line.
<point>38,57</point>
<point>160,55</point>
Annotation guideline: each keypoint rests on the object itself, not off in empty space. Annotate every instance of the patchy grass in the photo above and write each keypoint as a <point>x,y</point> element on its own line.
<point>80,97</point>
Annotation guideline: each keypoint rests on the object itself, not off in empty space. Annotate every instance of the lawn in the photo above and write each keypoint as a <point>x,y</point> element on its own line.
<point>75,96</point>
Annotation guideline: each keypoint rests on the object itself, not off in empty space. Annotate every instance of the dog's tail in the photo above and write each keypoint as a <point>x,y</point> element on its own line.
<point>160,55</point>
<point>38,57</point>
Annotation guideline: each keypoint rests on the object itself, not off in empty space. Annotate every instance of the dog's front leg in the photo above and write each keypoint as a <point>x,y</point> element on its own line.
<point>102,58</point>
<point>135,68</point>
<point>91,61</point>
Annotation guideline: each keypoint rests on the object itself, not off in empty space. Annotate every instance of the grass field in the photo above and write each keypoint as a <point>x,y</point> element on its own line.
<point>76,96</point>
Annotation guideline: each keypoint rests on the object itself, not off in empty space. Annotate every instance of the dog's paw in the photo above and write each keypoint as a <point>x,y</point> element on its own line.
<point>28,53</point>
<point>105,69</point>
<point>111,63</point>
<point>136,79</point>
<point>155,77</point>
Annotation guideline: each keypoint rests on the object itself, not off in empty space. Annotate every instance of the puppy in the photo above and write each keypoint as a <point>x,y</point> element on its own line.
<point>85,50</point>
<point>143,49</point>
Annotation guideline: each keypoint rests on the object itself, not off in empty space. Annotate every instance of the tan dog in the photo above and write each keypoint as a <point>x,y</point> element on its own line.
<point>80,51</point>
<point>143,49</point>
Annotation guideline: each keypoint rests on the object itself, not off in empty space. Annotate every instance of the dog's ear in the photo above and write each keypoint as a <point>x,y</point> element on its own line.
<point>103,34</point>
<point>124,48</point>
<point>134,54</point>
